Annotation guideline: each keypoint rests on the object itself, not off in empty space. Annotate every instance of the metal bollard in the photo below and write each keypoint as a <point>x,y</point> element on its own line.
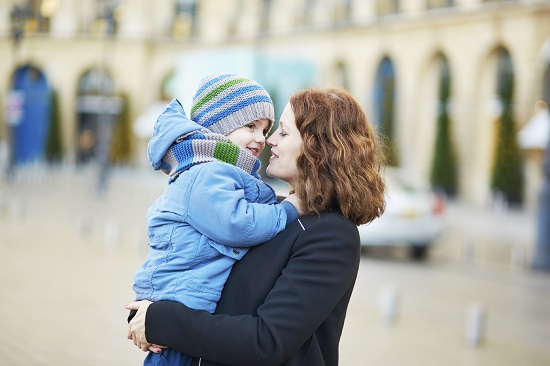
<point>17,209</point>
<point>476,317</point>
<point>85,226</point>
<point>388,303</point>
<point>517,257</point>
<point>112,233</point>
<point>469,250</point>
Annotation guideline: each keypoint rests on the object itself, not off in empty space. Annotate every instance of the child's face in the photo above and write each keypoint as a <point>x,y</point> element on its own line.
<point>251,136</point>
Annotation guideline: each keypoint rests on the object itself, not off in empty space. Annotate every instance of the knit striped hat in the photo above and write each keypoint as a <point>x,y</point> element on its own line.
<point>225,102</point>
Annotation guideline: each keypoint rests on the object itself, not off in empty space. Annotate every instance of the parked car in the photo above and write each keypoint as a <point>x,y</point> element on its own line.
<point>412,218</point>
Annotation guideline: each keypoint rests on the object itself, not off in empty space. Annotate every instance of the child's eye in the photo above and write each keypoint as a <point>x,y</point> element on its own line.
<point>251,126</point>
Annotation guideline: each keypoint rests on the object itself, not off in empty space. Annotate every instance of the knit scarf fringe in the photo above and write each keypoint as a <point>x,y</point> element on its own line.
<point>204,146</point>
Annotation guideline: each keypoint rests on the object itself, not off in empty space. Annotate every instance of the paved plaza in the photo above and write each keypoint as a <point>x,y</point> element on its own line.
<point>67,256</point>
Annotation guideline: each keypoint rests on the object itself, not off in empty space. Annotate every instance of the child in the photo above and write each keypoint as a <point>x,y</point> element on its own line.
<point>215,206</point>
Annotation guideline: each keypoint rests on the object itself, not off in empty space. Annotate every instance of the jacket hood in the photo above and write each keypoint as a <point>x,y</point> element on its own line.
<point>171,124</point>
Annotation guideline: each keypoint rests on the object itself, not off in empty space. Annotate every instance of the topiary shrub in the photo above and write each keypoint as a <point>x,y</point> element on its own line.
<point>443,175</point>
<point>507,174</point>
<point>121,145</point>
<point>54,143</point>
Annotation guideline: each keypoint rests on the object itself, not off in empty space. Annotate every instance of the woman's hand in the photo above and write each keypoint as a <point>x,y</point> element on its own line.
<point>136,327</point>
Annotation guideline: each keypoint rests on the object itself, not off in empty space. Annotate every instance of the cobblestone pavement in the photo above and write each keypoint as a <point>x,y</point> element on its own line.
<point>67,257</point>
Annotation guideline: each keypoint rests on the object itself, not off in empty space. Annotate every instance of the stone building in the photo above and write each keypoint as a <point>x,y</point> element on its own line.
<point>390,54</point>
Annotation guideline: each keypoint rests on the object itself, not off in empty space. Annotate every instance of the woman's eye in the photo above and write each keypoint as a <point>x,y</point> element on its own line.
<point>282,134</point>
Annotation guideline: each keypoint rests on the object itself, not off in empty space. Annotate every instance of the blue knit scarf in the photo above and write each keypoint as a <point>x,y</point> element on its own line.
<point>205,146</point>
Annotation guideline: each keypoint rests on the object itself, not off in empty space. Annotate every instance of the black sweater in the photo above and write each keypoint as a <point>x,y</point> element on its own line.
<point>283,304</point>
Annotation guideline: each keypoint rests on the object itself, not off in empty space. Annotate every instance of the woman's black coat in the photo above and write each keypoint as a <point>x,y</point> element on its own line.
<point>283,304</point>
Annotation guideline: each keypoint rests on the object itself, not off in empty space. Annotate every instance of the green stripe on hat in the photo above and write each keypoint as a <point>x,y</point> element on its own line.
<point>215,92</point>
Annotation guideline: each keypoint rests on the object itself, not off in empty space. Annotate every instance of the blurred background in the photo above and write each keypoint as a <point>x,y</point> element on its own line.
<point>457,272</point>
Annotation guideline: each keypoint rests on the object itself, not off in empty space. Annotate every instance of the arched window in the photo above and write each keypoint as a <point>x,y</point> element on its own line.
<point>265,16</point>
<point>235,18</point>
<point>39,13</point>
<point>305,14</point>
<point>106,17</point>
<point>342,11</point>
<point>443,174</point>
<point>95,105</point>
<point>505,76</point>
<point>185,19</point>
<point>437,4</point>
<point>31,91</point>
<point>384,106</point>
<point>387,7</point>
<point>95,82</point>
<point>444,86</point>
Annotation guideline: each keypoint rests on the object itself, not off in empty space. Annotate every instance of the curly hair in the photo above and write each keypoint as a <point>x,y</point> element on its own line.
<point>339,165</point>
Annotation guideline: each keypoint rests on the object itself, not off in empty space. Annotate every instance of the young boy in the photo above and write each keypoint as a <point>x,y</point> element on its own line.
<point>215,206</point>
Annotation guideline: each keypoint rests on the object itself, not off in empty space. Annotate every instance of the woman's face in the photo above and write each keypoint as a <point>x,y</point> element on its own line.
<point>286,144</point>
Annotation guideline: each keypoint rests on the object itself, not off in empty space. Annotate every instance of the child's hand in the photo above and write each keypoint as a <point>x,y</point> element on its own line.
<point>293,198</point>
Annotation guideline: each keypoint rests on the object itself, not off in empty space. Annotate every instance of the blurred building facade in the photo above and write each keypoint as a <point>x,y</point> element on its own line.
<point>390,54</point>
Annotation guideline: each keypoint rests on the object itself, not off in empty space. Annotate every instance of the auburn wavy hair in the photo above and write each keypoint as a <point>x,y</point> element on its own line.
<point>340,162</point>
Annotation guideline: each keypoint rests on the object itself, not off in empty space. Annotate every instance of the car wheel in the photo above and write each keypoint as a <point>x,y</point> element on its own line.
<point>419,252</point>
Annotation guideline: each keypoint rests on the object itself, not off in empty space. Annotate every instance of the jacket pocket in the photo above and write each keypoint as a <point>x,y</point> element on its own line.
<point>159,237</point>
<point>231,252</point>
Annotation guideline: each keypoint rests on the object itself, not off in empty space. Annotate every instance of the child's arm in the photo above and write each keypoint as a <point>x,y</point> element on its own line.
<point>218,208</point>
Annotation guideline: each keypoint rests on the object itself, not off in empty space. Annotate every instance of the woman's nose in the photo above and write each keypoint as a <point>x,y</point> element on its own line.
<point>271,140</point>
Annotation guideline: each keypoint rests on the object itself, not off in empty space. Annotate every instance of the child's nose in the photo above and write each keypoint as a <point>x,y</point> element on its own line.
<point>260,138</point>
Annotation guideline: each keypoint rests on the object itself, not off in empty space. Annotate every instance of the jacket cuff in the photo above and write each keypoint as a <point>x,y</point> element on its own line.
<point>291,212</point>
<point>157,316</point>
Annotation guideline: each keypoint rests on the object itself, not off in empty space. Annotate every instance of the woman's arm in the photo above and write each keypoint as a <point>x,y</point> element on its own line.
<point>322,268</point>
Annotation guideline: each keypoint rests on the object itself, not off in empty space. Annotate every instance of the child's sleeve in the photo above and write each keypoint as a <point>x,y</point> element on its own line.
<point>218,209</point>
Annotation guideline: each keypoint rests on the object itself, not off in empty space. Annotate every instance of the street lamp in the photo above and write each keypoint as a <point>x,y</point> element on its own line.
<point>109,105</point>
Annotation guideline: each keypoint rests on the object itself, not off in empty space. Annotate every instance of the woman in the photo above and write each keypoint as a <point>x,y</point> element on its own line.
<point>285,301</point>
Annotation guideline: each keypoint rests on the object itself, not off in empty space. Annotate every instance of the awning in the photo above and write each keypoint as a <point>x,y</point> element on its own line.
<point>534,135</point>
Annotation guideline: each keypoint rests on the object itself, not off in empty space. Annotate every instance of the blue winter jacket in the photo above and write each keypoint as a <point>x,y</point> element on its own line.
<point>203,222</point>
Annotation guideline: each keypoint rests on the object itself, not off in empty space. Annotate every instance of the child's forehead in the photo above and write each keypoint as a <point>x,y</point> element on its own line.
<point>264,122</point>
